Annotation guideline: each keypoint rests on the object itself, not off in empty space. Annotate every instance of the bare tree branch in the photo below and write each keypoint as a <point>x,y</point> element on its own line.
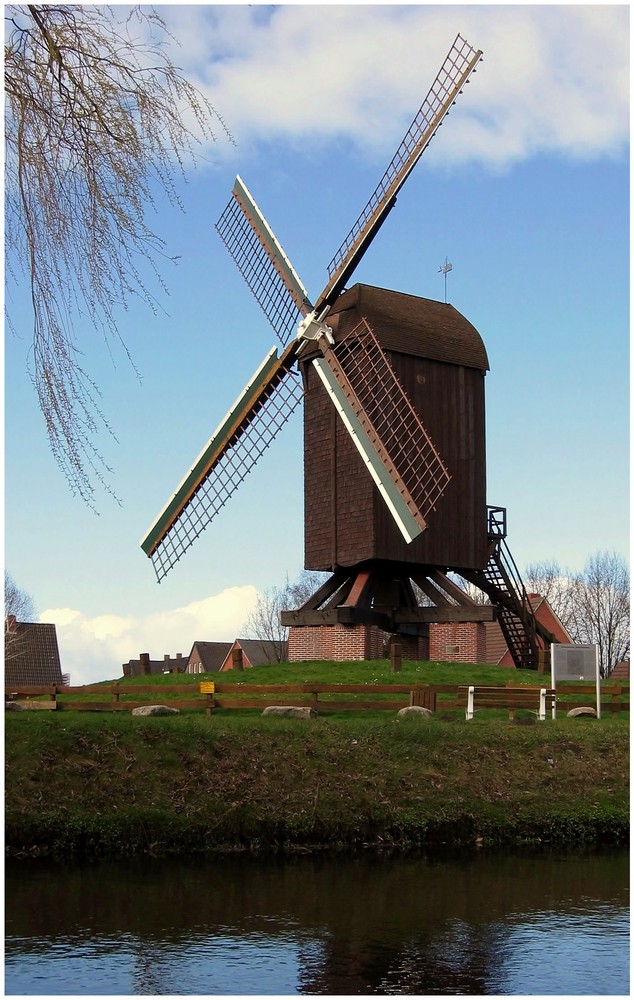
<point>18,607</point>
<point>96,123</point>
<point>593,605</point>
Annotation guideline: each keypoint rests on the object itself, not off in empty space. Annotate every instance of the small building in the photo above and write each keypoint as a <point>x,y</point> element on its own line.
<point>216,657</point>
<point>207,657</point>
<point>144,666</point>
<point>31,654</point>
<point>244,653</point>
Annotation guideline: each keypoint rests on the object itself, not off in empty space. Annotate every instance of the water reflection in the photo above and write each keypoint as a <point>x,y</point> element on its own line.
<point>477,925</point>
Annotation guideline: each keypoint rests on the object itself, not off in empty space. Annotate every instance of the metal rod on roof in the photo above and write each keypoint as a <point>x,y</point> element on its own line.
<point>445,268</point>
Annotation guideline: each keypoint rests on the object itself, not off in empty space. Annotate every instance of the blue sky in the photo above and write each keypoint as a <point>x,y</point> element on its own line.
<point>525,189</point>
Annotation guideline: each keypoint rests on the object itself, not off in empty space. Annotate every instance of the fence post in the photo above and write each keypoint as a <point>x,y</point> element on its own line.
<point>396,652</point>
<point>543,661</point>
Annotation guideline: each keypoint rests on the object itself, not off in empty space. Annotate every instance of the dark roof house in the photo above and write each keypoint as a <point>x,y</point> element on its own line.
<point>254,653</point>
<point>31,654</point>
<point>207,657</point>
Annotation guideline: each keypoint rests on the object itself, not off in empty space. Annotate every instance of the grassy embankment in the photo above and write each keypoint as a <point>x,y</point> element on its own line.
<point>110,783</point>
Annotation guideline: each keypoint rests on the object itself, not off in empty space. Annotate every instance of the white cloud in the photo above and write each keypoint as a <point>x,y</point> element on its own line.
<point>555,78</point>
<point>94,649</point>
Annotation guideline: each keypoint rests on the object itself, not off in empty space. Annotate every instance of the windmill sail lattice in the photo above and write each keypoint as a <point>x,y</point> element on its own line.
<point>250,426</point>
<point>385,428</point>
<point>458,66</point>
<point>391,421</point>
<point>262,263</point>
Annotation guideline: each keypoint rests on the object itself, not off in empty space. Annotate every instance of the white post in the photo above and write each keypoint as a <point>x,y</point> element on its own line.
<point>553,680</point>
<point>470,692</point>
<point>542,704</point>
<point>596,648</point>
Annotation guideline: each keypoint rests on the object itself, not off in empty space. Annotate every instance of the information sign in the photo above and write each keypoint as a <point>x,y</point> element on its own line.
<point>576,662</point>
<point>207,687</point>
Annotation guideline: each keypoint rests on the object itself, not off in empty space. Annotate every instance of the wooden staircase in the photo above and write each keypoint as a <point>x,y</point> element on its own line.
<point>501,581</point>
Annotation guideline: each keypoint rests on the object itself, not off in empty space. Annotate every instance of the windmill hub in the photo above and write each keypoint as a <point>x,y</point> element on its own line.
<point>312,328</point>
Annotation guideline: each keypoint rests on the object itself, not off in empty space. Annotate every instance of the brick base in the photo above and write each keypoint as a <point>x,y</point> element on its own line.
<point>349,642</point>
<point>458,642</point>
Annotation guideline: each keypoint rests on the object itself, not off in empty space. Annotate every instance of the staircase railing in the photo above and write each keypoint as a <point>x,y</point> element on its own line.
<point>502,582</point>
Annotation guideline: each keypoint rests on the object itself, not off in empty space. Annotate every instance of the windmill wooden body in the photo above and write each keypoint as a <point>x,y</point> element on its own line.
<point>395,470</point>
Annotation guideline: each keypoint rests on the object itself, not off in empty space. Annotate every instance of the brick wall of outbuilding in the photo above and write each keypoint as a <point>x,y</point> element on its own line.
<point>458,642</point>
<point>349,642</point>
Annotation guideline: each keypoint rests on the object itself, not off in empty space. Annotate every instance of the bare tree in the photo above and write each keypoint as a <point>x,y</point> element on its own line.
<point>593,605</point>
<point>16,601</point>
<point>558,587</point>
<point>97,121</point>
<point>477,596</point>
<point>18,607</point>
<point>602,608</point>
<point>264,621</point>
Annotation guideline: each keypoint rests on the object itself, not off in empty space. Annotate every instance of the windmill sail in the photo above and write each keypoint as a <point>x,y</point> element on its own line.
<point>454,74</point>
<point>385,428</point>
<point>262,262</point>
<point>254,420</point>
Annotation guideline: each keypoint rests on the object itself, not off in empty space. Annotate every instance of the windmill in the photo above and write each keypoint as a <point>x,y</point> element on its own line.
<point>397,511</point>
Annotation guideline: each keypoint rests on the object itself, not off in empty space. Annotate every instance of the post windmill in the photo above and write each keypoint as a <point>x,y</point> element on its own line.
<point>393,391</point>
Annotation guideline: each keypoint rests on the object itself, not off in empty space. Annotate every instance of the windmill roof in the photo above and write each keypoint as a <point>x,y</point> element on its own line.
<point>409,324</point>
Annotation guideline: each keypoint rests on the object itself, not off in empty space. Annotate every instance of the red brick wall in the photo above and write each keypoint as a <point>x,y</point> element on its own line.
<point>336,642</point>
<point>349,642</point>
<point>458,642</point>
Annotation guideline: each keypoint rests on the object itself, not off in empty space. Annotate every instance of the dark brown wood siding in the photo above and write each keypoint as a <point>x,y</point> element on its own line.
<point>347,520</point>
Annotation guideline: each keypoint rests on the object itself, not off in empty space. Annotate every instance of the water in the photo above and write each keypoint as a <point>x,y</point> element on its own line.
<point>483,924</point>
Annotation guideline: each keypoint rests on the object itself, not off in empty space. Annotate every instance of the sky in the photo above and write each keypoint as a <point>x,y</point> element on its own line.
<point>525,190</point>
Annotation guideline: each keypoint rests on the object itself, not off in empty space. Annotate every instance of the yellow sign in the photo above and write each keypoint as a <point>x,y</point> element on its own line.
<point>207,687</point>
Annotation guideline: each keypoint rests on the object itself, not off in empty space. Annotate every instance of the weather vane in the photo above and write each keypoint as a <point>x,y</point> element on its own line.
<point>445,269</point>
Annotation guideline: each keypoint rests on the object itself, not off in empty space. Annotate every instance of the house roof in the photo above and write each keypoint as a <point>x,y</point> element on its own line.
<point>31,654</point>
<point>497,649</point>
<point>547,617</point>
<point>211,654</point>
<point>258,652</point>
<point>412,325</point>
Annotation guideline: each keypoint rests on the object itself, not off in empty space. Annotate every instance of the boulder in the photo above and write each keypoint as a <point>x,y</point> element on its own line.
<point>155,710</point>
<point>291,711</point>
<point>586,710</point>
<point>414,711</point>
<point>12,706</point>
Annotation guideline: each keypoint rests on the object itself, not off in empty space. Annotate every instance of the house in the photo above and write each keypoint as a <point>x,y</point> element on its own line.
<point>253,653</point>
<point>216,657</point>
<point>145,666</point>
<point>207,657</point>
<point>31,654</point>
<point>483,642</point>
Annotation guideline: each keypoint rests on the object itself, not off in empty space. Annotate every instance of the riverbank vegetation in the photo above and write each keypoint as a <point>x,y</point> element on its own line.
<point>110,783</point>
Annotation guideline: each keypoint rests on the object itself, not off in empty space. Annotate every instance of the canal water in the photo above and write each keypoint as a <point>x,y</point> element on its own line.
<point>481,924</point>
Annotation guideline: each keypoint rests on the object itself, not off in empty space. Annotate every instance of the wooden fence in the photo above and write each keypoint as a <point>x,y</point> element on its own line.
<point>323,697</point>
